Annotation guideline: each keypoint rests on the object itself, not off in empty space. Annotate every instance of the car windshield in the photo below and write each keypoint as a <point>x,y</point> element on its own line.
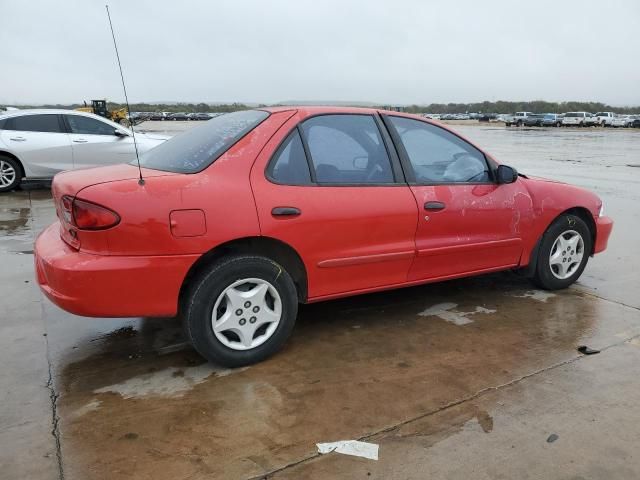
<point>197,148</point>
<point>573,114</point>
<point>550,116</point>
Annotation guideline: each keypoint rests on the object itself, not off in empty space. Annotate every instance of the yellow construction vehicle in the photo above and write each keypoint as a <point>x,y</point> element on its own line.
<point>99,107</point>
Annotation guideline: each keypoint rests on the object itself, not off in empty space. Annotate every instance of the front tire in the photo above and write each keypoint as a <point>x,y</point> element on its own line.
<point>563,253</point>
<point>10,174</point>
<point>241,310</point>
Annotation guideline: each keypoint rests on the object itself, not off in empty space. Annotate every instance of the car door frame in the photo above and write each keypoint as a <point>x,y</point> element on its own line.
<point>316,268</point>
<point>503,252</point>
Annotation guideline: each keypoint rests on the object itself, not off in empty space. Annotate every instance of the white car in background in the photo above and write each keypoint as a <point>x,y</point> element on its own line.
<point>37,144</point>
<point>622,121</point>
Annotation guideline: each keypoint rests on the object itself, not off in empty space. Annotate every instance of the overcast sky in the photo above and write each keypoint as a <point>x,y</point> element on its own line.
<point>383,51</point>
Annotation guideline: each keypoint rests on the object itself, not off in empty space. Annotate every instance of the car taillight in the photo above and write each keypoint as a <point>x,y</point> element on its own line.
<point>66,209</point>
<point>86,215</point>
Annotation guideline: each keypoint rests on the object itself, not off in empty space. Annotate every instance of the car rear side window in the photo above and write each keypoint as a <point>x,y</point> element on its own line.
<point>289,165</point>
<point>197,148</point>
<point>88,126</point>
<point>438,156</point>
<point>347,149</point>
<point>34,123</point>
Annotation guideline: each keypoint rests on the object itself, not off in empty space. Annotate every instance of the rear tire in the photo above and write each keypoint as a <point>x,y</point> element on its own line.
<point>10,174</point>
<point>563,254</point>
<point>241,310</point>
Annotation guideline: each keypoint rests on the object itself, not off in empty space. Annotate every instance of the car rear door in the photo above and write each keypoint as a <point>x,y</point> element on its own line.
<point>40,143</point>
<point>467,223</point>
<point>334,191</point>
<point>95,144</point>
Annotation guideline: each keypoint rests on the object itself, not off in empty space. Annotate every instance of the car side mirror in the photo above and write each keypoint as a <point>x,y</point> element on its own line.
<point>506,174</point>
<point>120,133</point>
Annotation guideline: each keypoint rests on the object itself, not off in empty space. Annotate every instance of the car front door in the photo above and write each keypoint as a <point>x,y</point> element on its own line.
<point>335,193</point>
<point>40,143</point>
<point>95,143</point>
<point>467,222</point>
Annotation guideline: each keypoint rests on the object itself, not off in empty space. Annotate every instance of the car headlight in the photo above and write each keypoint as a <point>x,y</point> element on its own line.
<point>601,212</point>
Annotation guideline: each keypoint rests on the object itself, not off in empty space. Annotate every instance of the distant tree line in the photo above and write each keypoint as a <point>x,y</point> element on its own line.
<point>537,106</point>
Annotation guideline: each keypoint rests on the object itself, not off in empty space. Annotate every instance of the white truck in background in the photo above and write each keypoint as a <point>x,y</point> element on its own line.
<point>605,119</point>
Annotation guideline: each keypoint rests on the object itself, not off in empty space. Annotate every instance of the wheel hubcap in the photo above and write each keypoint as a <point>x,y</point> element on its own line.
<point>7,174</point>
<point>566,254</point>
<point>246,314</point>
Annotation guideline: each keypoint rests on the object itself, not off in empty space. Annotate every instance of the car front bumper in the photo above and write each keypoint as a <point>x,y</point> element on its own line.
<point>108,286</point>
<point>604,225</point>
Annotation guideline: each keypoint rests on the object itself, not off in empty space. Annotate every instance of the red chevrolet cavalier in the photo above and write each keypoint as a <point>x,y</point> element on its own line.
<point>241,219</point>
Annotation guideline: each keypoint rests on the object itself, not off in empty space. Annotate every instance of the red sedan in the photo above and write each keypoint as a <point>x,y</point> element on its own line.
<point>241,219</point>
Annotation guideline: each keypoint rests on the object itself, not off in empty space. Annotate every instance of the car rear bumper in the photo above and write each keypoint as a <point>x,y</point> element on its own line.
<point>108,286</point>
<point>604,225</point>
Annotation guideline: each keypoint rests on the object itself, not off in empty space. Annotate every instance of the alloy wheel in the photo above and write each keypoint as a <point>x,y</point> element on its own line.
<point>7,174</point>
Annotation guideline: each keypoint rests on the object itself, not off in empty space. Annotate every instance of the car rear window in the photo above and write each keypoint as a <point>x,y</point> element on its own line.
<point>197,148</point>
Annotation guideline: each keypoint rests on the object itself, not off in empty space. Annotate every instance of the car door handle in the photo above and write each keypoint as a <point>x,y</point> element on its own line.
<point>80,140</point>
<point>434,206</point>
<point>285,212</point>
<point>18,139</point>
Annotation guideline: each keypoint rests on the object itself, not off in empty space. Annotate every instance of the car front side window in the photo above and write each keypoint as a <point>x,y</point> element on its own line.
<point>438,156</point>
<point>347,149</point>
<point>88,126</point>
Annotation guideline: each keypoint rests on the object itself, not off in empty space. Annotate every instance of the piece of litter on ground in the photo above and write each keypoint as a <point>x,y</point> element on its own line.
<point>552,438</point>
<point>350,447</point>
<point>587,351</point>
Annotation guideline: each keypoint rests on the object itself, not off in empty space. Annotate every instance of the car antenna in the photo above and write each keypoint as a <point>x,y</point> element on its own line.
<point>126,99</point>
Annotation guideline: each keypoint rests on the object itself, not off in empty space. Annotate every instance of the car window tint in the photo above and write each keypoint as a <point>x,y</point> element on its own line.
<point>289,164</point>
<point>2,122</point>
<point>438,156</point>
<point>347,149</point>
<point>34,123</point>
<point>88,126</point>
<point>198,147</point>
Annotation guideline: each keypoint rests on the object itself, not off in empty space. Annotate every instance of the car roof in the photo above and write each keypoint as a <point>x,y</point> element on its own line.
<point>311,110</point>
<point>40,111</point>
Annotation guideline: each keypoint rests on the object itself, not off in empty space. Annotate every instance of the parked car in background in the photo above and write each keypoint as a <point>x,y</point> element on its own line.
<point>158,116</point>
<point>304,208</point>
<point>177,116</point>
<point>551,120</point>
<point>200,116</point>
<point>605,119</point>
<point>534,120</point>
<point>517,119</point>
<point>635,121</point>
<point>621,121</point>
<point>575,119</point>
<point>37,144</point>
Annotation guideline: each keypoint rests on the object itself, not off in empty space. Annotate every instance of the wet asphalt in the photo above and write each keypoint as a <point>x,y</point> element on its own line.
<point>474,378</point>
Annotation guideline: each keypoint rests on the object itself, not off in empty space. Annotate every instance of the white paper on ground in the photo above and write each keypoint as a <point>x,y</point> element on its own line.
<point>350,447</point>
